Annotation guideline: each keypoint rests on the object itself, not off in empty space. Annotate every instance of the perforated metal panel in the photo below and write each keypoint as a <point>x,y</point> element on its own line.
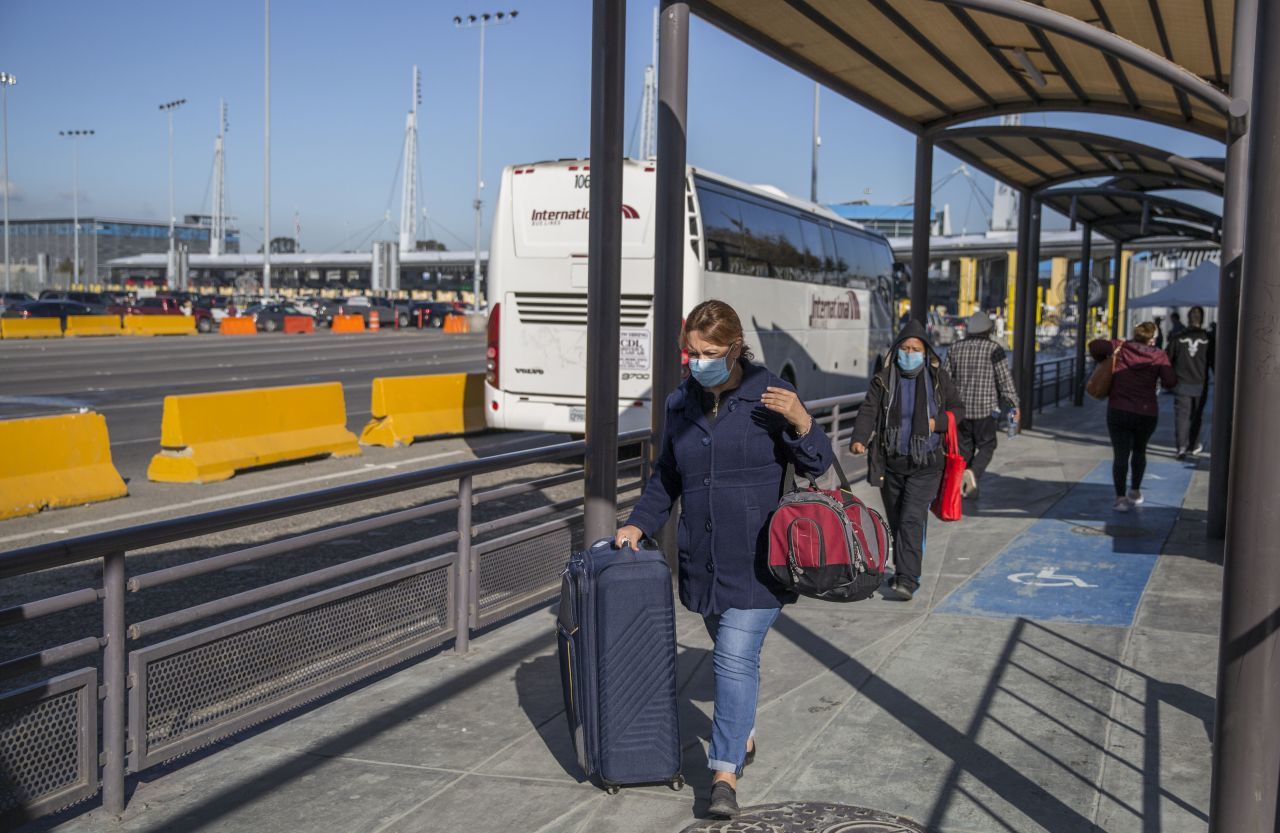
<point>201,686</point>
<point>519,570</point>
<point>48,746</point>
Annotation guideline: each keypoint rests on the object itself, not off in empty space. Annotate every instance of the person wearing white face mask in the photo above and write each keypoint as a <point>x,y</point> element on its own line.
<point>731,429</point>
<point>900,424</point>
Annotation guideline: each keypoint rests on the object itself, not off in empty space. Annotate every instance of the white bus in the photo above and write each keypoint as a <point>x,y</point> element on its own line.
<point>814,291</point>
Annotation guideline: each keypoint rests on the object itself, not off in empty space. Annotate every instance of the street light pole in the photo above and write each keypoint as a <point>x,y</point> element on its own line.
<point>266,149</point>
<point>168,108</point>
<point>6,81</point>
<point>482,22</point>
<point>74,136</point>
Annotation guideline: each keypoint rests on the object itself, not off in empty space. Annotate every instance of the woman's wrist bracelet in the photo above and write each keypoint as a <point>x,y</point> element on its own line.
<point>805,432</point>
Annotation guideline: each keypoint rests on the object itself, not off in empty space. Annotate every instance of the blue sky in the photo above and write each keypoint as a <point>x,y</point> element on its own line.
<point>340,90</point>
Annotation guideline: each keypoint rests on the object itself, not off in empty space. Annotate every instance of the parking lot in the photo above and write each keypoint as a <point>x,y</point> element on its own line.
<point>127,379</point>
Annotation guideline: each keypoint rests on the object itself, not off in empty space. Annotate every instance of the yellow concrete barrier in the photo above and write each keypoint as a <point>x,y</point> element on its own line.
<point>206,437</point>
<point>56,461</point>
<point>160,325</point>
<point>94,325</point>
<point>406,408</point>
<point>30,328</point>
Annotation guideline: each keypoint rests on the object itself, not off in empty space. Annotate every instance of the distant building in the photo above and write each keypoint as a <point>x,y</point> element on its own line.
<point>101,239</point>
<point>891,220</point>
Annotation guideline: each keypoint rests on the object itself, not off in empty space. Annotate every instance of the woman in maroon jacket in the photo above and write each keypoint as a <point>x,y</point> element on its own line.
<point>1132,412</point>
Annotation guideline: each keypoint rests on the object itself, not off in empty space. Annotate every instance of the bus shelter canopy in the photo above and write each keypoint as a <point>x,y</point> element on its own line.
<point>1035,158</point>
<point>930,64</point>
<point>1160,182</point>
<point>1130,215</point>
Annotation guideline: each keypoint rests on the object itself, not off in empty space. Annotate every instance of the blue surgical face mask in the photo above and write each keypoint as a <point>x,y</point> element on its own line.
<point>909,362</point>
<point>710,372</point>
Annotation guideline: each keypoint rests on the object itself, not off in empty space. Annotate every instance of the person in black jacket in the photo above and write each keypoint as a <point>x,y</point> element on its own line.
<point>732,427</point>
<point>1191,354</point>
<point>901,424</point>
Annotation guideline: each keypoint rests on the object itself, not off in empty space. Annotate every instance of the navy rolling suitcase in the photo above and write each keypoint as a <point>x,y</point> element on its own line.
<point>617,641</point>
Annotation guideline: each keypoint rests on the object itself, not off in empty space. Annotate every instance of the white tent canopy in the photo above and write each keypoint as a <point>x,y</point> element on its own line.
<point>1199,287</point>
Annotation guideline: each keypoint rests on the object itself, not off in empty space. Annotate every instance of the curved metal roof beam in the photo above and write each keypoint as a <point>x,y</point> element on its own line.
<point>1187,211</point>
<point>1105,42</point>
<point>1194,168</point>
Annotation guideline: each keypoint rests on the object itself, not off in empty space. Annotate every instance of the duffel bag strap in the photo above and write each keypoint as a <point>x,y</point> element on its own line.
<point>789,481</point>
<point>844,481</point>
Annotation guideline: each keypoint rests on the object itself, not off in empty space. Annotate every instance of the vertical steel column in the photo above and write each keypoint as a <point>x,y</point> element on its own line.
<point>669,245</point>
<point>1233,227</point>
<point>1246,748</point>
<point>921,228</point>
<point>1015,318</point>
<point>1117,301</point>
<point>604,272</point>
<point>113,683</point>
<point>1027,303</point>
<point>1082,310</point>
<point>462,569</point>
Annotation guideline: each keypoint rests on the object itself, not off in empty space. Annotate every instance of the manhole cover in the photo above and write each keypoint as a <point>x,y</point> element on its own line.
<point>809,817</point>
<point>1110,531</point>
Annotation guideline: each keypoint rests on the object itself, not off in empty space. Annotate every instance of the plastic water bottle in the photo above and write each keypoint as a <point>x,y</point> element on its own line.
<point>1012,424</point>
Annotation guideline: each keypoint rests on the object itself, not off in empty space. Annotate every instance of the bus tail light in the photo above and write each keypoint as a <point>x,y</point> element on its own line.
<point>491,349</point>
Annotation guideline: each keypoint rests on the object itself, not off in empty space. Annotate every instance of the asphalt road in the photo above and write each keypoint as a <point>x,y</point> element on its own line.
<point>127,379</point>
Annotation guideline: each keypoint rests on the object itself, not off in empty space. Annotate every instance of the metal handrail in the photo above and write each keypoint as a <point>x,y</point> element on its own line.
<point>87,547</point>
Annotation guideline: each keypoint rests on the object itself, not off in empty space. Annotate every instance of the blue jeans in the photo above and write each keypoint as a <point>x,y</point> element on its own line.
<point>738,636</point>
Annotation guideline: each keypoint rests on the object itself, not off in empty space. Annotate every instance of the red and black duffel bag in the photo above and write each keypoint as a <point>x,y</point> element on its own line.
<point>827,544</point>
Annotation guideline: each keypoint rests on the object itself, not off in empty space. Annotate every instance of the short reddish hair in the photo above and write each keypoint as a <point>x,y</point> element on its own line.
<point>715,321</point>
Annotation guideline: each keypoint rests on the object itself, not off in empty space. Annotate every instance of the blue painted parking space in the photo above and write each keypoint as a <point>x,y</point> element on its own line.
<point>1082,562</point>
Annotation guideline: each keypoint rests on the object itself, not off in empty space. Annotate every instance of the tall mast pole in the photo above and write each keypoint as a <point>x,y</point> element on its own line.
<point>266,149</point>
<point>817,142</point>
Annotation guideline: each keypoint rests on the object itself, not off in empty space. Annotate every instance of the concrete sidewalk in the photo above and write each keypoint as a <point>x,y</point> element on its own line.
<point>1055,673</point>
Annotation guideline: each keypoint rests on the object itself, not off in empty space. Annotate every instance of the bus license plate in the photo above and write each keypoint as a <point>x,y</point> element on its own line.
<point>633,350</point>
<point>578,413</point>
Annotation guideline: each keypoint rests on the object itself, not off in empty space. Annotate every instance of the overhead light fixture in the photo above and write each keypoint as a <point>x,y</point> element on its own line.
<point>1037,77</point>
<point>1114,161</point>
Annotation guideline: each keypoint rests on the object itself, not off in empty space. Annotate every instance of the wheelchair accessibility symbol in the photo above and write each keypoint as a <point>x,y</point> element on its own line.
<point>1048,577</point>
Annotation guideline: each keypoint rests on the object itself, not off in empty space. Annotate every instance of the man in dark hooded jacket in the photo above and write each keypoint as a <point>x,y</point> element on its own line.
<point>900,426</point>
<point>1191,354</point>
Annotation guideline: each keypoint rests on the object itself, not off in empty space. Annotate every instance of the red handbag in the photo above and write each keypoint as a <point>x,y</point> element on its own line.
<point>947,505</point>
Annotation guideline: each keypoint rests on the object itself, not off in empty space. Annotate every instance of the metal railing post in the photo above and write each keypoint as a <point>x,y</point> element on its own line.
<point>462,606</point>
<point>835,426</point>
<point>113,683</point>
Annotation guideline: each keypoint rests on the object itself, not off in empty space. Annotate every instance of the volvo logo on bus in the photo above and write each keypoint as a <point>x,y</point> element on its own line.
<point>839,309</point>
<point>546,217</point>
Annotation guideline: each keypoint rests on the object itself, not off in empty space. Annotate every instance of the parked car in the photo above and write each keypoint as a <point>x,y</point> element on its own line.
<point>389,312</point>
<point>49,308</point>
<point>9,299</point>
<point>326,309</point>
<point>270,317</point>
<point>100,303</point>
<point>169,305</point>
<point>218,306</point>
<point>432,313</point>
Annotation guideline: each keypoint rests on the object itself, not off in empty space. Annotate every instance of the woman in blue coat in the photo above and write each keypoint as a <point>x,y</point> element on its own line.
<point>732,427</point>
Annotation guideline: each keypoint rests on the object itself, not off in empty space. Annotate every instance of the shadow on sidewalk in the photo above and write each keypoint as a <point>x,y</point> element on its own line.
<point>538,682</point>
<point>1035,658</point>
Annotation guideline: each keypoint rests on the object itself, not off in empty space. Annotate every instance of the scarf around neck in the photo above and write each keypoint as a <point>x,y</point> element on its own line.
<point>906,432</point>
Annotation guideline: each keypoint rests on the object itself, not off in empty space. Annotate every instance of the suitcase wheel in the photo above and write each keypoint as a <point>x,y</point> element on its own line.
<point>676,783</point>
<point>612,789</point>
